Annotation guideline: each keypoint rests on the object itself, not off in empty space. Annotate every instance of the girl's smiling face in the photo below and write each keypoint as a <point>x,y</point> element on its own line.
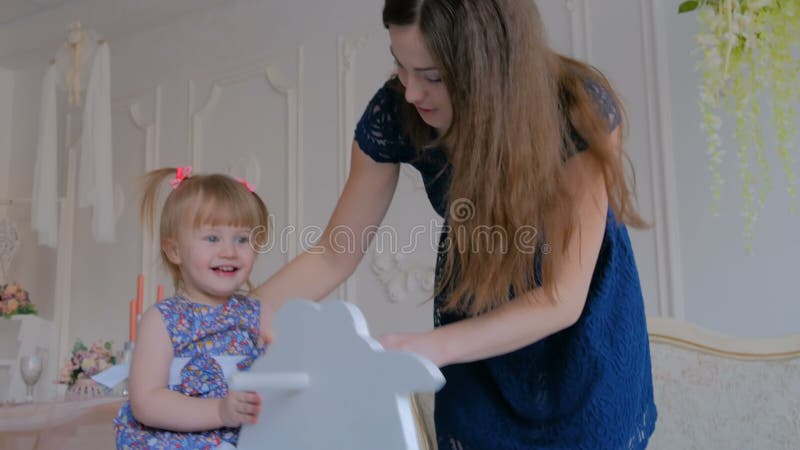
<point>215,261</point>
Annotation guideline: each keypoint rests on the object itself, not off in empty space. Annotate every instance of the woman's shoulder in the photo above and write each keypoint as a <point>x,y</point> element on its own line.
<point>604,103</point>
<point>604,100</point>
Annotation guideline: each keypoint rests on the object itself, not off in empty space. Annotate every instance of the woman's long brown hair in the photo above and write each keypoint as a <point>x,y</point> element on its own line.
<point>514,100</point>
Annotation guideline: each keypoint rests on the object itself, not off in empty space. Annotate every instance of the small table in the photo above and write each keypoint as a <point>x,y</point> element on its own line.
<point>50,425</point>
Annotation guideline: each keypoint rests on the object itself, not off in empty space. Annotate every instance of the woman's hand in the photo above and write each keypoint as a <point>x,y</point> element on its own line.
<point>239,408</point>
<point>423,344</point>
<point>264,337</point>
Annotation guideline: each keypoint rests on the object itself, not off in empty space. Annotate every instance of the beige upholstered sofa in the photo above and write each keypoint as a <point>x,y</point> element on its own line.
<point>712,391</point>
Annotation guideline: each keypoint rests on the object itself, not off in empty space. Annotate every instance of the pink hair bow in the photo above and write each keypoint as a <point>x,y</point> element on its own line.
<point>181,174</point>
<point>247,185</point>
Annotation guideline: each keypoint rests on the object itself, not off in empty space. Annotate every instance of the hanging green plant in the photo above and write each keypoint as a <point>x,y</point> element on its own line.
<point>746,56</point>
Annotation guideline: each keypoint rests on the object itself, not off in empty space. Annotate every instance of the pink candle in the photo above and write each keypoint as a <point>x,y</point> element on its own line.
<point>139,293</point>
<point>159,293</point>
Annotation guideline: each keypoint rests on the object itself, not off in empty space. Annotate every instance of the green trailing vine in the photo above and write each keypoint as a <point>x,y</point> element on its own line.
<point>746,55</point>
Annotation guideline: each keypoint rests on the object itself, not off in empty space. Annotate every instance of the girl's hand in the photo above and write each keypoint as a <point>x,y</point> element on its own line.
<point>421,343</point>
<point>239,408</point>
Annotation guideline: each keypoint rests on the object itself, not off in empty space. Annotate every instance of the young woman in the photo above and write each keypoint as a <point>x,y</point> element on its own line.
<point>541,336</point>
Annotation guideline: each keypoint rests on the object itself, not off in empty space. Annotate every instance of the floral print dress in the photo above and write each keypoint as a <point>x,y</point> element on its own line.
<point>199,332</point>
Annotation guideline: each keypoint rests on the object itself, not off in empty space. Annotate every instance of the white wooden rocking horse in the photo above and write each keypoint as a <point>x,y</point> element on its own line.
<point>326,384</point>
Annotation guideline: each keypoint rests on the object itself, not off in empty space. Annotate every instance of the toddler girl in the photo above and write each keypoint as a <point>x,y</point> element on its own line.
<point>189,344</point>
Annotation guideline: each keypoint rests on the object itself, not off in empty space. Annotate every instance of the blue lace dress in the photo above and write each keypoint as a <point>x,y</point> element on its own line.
<point>586,387</point>
<point>199,332</point>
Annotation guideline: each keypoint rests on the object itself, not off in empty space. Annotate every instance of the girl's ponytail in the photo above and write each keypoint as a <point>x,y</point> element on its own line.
<point>152,182</point>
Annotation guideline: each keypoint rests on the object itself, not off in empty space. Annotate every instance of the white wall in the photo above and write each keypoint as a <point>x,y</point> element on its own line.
<point>727,290</point>
<point>290,133</point>
<point>30,267</point>
<point>33,266</point>
<point>6,103</point>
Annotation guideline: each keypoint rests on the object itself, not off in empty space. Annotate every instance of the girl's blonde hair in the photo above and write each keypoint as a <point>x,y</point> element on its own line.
<point>212,199</point>
<point>516,104</point>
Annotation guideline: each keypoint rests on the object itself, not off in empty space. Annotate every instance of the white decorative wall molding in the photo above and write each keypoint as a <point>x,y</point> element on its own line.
<point>62,302</point>
<point>196,126</point>
<point>152,156</point>
<point>294,96</point>
<point>246,167</point>
<point>580,29</point>
<point>402,277</point>
<point>119,201</point>
<point>68,206</point>
<point>662,166</point>
<point>193,126</point>
<point>293,90</point>
<point>346,56</point>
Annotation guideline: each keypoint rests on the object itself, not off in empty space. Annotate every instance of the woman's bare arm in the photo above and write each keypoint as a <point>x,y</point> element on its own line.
<point>318,271</point>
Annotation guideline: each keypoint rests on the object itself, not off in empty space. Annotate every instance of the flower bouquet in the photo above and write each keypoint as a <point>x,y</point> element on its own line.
<point>82,365</point>
<point>749,65</point>
<point>14,300</point>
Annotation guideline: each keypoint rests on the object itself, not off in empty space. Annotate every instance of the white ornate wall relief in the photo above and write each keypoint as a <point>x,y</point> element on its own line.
<point>254,143</point>
<point>136,120</point>
<point>347,50</point>
<point>62,301</point>
<point>346,57</point>
<point>580,28</point>
<point>245,167</point>
<point>403,276</point>
<point>152,155</point>
<point>665,204</point>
